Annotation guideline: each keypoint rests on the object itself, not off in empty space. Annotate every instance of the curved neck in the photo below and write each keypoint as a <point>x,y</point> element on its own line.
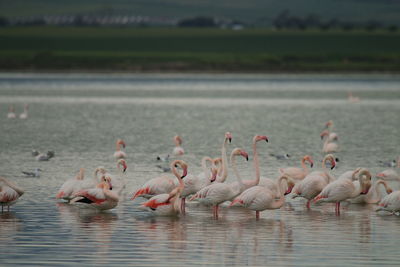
<point>256,165</point>
<point>118,147</point>
<point>376,189</point>
<point>234,168</point>
<point>279,202</point>
<point>17,189</point>
<point>204,167</point>
<point>222,178</point>
<point>178,176</point>
<point>303,165</point>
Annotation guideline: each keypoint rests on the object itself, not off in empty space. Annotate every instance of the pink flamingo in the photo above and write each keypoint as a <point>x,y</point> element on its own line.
<point>331,136</point>
<point>329,147</point>
<point>223,172</point>
<point>119,154</point>
<point>216,193</point>
<point>195,183</point>
<point>178,150</point>
<point>298,173</point>
<point>341,190</point>
<point>78,183</point>
<point>101,197</point>
<point>11,112</point>
<point>390,203</point>
<point>314,182</point>
<point>259,198</point>
<point>329,126</point>
<point>118,181</point>
<point>168,204</point>
<point>24,115</point>
<point>9,193</point>
<point>374,195</point>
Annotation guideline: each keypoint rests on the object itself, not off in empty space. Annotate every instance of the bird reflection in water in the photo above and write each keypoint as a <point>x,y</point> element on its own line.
<point>9,226</point>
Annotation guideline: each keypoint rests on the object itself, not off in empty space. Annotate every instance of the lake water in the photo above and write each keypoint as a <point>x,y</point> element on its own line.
<point>80,116</point>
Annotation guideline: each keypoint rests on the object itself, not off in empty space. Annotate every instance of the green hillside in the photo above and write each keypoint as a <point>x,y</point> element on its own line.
<point>174,49</point>
<point>250,11</point>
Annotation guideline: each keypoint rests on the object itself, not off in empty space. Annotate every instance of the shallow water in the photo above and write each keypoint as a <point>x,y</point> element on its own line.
<point>80,116</point>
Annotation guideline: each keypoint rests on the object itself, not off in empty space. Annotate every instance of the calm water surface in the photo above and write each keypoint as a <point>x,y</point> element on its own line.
<point>80,116</point>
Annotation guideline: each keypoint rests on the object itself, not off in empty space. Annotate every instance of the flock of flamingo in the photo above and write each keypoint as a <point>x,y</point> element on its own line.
<point>168,194</point>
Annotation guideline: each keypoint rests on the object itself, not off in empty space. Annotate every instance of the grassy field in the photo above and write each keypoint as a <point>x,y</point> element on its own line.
<point>172,49</point>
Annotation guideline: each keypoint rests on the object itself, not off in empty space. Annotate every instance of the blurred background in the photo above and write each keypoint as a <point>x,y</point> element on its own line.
<point>204,36</point>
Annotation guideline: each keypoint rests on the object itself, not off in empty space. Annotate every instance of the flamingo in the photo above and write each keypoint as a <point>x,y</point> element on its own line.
<point>331,136</point>
<point>101,197</point>
<point>341,190</point>
<point>119,154</point>
<point>168,204</point>
<point>329,126</point>
<point>223,172</point>
<point>195,183</point>
<point>119,182</point>
<point>11,113</point>
<point>24,115</point>
<point>389,174</point>
<point>298,173</point>
<point>178,150</point>
<point>9,193</point>
<point>374,195</point>
<point>351,98</point>
<point>217,193</point>
<point>259,198</point>
<point>156,186</point>
<point>390,203</point>
<point>78,183</point>
<point>329,147</point>
<point>314,182</point>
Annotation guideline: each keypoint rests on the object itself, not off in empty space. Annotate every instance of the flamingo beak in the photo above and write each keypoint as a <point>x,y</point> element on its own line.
<point>289,190</point>
<point>311,163</point>
<point>184,173</point>
<point>333,165</point>
<point>109,184</point>
<point>214,175</point>
<point>245,155</point>
<point>230,140</point>
<point>124,167</point>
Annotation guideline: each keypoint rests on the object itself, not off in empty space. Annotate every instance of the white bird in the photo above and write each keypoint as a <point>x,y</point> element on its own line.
<point>314,182</point>
<point>24,115</point>
<point>216,193</point>
<point>280,156</point>
<point>178,150</point>
<point>9,193</point>
<point>259,198</point>
<point>11,113</point>
<point>35,173</point>
<point>390,203</point>
<point>341,190</point>
<point>119,154</point>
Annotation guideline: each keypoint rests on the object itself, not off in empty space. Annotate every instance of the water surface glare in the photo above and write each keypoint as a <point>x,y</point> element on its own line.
<point>80,116</point>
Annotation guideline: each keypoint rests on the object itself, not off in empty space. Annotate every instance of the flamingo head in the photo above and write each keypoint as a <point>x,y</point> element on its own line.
<point>290,187</point>
<point>214,172</point>
<point>182,165</point>
<point>389,190</point>
<point>122,162</point>
<point>178,140</point>
<point>328,124</point>
<point>121,142</point>
<point>332,159</point>
<point>240,152</point>
<point>309,159</point>
<point>228,136</point>
<point>260,138</point>
<point>324,133</point>
<point>106,182</point>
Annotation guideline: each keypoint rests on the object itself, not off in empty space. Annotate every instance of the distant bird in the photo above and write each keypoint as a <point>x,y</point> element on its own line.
<point>164,168</point>
<point>178,150</point>
<point>280,157</point>
<point>164,159</point>
<point>392,163</point>
<point>43,156</point>
<point>351,98</point>
<point>24,115</point>
<point>36,173</point>
<point>119,154</point>
<point>11,113</point>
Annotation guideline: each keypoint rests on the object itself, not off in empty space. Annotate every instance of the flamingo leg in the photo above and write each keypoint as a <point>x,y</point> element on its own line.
<point>308,204</point>
<point>8,208</point>
<point>216,211</point>
<point>2,209</point>
<point>183,205</point>
<point>337,208</point>
<point>257,214</point>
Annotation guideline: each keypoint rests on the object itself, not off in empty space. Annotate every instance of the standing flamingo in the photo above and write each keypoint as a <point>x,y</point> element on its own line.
<point>9,193</point>
<point>119,154</point>
<point>101,197</point>
<point>195,183</point>
<point>217,193</point>
<point>341,190</point>
<point>11,113</point>
<point>118,181</point>
<point>390,203</point>
<point>329,126</point>
<point>223,173</point>
<point>178,150</point>
<point>24,115</point>
<point>298,173</point>
<point>329,147</point>
<point>259,198</point>
<point>314,182</point>
<point>168,204</point>
<point>331,136</point>
<point>374,195</point>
